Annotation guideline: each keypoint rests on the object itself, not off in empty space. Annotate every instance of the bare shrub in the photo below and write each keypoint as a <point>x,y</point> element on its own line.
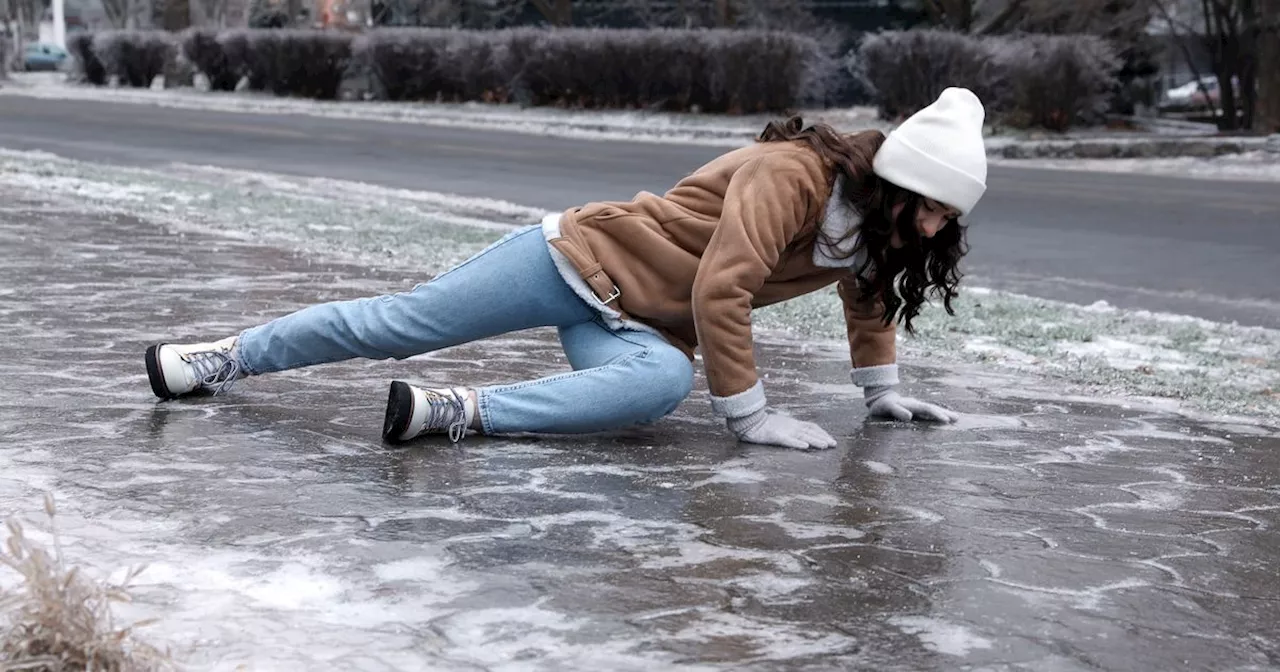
<point>1056,81</point>
<point>1046,81</point>
<point>59,619</point>
<point>908,70</point>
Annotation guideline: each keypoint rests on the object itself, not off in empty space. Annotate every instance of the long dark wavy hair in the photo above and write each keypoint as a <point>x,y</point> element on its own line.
<point>922,266</point>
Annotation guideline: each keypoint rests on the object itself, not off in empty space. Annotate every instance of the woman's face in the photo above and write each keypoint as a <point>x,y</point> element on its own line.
<point>931,217</point>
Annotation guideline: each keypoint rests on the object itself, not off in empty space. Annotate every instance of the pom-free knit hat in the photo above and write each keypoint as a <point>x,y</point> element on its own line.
<point>938,152</point>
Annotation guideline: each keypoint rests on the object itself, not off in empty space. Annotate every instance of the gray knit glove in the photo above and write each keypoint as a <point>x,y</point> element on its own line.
<point>885,402</point>
<point>775,428</point>
<point>879,388</point>
<point>749,417</point>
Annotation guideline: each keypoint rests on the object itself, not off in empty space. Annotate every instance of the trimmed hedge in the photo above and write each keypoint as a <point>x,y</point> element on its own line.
<point>133,57</point>
<point>1034,80</point>
<point>86,63</point>
<point>1048,81</point>
<point>907,70</point>
<point>711,70</point>
<point>1055,81</point>
<point>203,51</point>
<point>736,71</point>
<point>304,63</point>
<point>416,64</point>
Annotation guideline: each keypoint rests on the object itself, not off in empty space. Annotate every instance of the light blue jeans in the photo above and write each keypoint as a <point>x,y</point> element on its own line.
<point>620,378</point>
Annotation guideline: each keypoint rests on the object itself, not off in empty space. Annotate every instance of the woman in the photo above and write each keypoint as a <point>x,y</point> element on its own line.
<point>634,287</point>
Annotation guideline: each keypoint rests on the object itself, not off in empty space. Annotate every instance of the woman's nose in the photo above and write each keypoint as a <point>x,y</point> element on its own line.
<point>930,226</point>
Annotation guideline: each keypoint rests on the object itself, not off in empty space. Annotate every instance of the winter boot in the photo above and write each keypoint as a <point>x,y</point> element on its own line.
<point>416,411</point>
<point>176,369</point>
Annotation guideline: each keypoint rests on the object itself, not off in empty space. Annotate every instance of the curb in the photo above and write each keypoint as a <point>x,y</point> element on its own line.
<point>1159,147</point>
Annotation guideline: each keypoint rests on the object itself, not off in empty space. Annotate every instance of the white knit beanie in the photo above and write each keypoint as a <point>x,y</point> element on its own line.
<point>938,152</point>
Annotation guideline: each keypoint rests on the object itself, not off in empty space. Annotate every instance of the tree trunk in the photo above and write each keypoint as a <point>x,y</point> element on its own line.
<point>722,14</point>
<point>560,14</point>
<point>1267,115</point>
<point>177,15</point>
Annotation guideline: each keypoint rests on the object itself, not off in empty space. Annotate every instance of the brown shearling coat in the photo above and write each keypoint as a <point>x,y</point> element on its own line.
<point>737,234</point>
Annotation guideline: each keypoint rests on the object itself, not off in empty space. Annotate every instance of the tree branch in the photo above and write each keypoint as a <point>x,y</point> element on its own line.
<point>545,9</point>
<point>998,23</point>
<point>934,10</point>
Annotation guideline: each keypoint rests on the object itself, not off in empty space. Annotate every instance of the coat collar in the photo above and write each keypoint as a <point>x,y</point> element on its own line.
<point>840,218</point>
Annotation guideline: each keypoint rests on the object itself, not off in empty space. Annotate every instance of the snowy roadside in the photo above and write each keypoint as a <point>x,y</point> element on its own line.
<point>1257,158</point>
<point>1175,362</point>
<point>1257,166</point>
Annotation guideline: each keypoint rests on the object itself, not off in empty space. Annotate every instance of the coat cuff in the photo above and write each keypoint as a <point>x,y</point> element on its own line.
<point>875,376</point>
<point>740,404</point>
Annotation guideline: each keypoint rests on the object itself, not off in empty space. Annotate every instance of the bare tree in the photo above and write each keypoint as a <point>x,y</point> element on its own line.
<point>774,14</point>
<point>558,13</point>
<point>211,13</point>
<point>25,16</point>
<point>1231,31</point>
<point>780,14</point>
<point>128,14</point>
<point>477,14</point>
<point>992,17</point>
<point>979,17</point>
<point>1267,117</point>
<point>1123,23</point>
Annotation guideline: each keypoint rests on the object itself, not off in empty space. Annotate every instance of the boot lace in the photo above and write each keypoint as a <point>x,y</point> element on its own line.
<point>217,371</point>
<point>447,412</point>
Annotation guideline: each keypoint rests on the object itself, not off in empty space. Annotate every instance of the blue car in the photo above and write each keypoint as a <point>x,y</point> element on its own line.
<point>43,56</point>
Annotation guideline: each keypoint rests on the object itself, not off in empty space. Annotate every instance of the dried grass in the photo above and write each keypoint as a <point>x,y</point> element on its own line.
<point>59,619</point>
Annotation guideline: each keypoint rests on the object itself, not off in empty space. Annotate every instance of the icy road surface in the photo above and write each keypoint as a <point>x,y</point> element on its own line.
<point>1042,532</point>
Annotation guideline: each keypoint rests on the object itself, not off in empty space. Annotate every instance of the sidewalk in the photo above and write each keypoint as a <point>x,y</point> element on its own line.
<point>1039,533</point>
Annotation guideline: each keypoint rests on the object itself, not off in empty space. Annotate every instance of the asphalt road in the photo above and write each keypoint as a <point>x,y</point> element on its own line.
<point>1205,248</point>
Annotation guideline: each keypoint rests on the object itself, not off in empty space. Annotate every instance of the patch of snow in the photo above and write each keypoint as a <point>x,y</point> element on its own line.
<point>1257,165</point>
<point>878,467</point>
<point>941,636</point>
<point>785,640</point>
<point>1127,354</point>
<point>733,475</point>
<point>987,346</point>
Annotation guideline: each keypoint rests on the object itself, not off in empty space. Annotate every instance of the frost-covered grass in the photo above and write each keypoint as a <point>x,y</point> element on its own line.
<point>1206,366</point>
<point>344,221</point>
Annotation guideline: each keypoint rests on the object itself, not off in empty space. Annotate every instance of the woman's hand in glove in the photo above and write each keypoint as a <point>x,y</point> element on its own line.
<point>769,427</point>
<point>885,402</point>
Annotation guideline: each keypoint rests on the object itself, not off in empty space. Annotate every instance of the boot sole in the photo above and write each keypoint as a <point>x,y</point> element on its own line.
<point>399,412</point>
<point>156,374</point>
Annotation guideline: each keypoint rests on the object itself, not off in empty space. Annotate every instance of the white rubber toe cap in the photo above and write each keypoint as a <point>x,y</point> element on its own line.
<point>176,372</point>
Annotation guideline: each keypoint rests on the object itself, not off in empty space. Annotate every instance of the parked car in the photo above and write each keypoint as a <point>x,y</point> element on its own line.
<point>43,56</point>
<point>1190,96</point>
